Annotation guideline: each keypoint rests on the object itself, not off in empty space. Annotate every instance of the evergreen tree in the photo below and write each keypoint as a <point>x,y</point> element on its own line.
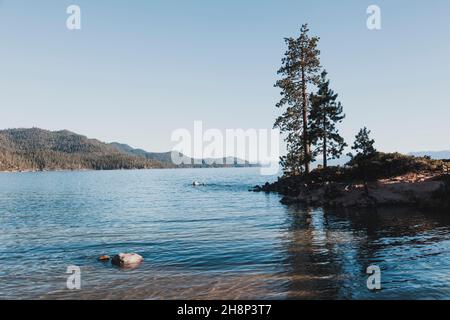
<point>325,114</point>
<point>300,67</point>
<point>292,162</point>
<point>364,145</point>
<point>365,151</point>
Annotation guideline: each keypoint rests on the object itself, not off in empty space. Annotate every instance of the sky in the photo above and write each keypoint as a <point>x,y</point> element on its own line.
<point>138,70</point>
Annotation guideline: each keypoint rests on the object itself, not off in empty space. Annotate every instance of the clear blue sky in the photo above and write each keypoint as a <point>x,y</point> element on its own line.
<point>140,69</point>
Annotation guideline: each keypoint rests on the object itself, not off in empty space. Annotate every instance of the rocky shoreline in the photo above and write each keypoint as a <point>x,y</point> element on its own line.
<point>423,189</point>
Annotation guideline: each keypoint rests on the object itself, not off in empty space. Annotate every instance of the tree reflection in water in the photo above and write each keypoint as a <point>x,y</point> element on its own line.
<point>328,252</point>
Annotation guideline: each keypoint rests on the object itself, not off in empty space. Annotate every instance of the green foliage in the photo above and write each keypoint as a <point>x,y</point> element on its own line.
<point>292,162</point>
<point>385,165</point>
<point>300,67</point>
<point>325,113</point>
<point>363,145</point>
<point>379,166</point>
<point>36,149</point>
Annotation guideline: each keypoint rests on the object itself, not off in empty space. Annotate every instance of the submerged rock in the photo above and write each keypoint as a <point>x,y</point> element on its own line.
<point>127,259</point>
<point>267,187</point>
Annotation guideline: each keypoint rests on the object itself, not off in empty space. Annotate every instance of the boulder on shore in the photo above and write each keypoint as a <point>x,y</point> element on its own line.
<point>127,259</point>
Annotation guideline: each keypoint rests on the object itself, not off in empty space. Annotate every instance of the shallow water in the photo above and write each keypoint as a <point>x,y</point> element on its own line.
<point>217,241</point>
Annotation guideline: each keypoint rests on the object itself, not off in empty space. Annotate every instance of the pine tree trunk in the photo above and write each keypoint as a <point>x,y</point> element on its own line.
<point>324,142</point>
<point>306,146</point>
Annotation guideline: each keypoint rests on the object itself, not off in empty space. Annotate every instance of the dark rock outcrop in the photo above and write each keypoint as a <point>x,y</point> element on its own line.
<point>408,190</point>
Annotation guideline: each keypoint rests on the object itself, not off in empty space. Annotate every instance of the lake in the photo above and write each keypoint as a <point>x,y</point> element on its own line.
<point>218,241</point>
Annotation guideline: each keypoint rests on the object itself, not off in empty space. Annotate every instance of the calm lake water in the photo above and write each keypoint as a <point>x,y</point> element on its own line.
<point>216,241</point>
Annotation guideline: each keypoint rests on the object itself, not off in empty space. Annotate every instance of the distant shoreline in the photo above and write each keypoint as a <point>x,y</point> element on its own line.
<point>134,169</point>
<point>34,150</point>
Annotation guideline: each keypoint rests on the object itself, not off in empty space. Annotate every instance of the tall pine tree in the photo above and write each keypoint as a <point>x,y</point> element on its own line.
<point>325,113</point>
<point>300,68</point>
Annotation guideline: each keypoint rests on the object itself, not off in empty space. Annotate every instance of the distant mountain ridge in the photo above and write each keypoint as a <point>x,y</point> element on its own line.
<point>42,150</point>
<point>166,157</point>
<point>125,148</point>
<point>437,155</point>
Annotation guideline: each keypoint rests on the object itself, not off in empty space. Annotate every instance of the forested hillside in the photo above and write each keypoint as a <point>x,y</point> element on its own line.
<point>37,149</point>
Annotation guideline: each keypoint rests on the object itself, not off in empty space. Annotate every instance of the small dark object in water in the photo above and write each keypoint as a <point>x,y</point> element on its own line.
<point>104,258</point>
